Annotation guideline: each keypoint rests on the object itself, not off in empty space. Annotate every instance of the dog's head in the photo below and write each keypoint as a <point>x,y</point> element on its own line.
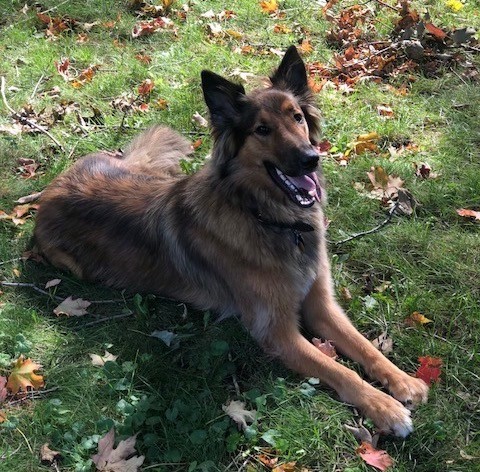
<point>273,129</point>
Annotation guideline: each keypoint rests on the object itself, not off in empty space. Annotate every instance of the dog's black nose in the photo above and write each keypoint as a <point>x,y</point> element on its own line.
<point>310,159</point>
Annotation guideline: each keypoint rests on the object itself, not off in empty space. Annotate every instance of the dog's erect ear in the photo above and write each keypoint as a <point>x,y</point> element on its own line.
<point>291,73</point>
<point>223,99</point>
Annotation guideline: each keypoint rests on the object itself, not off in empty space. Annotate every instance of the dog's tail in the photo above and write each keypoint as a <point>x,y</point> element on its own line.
<point>158,151</point>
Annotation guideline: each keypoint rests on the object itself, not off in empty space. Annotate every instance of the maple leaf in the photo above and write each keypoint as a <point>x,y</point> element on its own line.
<point>384,186</point>
<point>109,459</point>
<point>429,370</point>
<point>326,347</point>
<point>236,410</point>
<point>383,343</point>
<point>146,87</point>
<point>375,457</point>
<point>269,6</point>
<point>364,143</point>
<point>71,307</point>
<point>23,376</point>
<point>469,213</point>
<point>417,318</point>
<point>99,361</point>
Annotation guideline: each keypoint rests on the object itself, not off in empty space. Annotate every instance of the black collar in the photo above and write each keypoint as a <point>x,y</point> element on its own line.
<point>297,228</point>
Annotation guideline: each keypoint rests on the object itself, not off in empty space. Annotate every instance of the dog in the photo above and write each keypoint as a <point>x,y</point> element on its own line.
<point>243,236</point>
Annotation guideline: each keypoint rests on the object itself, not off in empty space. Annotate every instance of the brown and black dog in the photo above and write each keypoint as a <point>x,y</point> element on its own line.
<point>245,235</point>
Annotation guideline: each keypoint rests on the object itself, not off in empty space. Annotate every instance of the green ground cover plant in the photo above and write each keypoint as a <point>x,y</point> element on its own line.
<point>92,75</point>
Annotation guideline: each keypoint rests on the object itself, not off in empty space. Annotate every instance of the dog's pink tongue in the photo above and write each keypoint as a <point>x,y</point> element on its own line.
<point>308,182</point>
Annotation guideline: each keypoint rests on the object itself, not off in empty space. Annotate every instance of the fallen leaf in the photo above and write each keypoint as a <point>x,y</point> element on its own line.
<point>269,6</point>
<point>469,213</point>
<point>468,457</point>
<point>146,87</point>
<point>374,457</point>
<point>52,283</point>
<point>384,186</point>
<point>199,120</point>
<point>269,461</point>
<point>109,459</point>
<point>143,58</point>
<point>99,361</point>
<point>236,410</point>
<point>63,67</point>
<point>305,47</point>
<point>72,307</point>
<point>281,29</point>
<point>22,210</point>
<point>436,32</point>
<point>417,318</point>
<point>364,143</point>
<point>3,416</point>
<point>161,104</point>
<point>3,389</point>
<point>169,338</point>
<point>385,111</point>
<point>23,376</point>
<point>361,433</point>
<point>48,456</point>
<point>429,370</point>
<point>383,343</point>
<point>286,467</point>
<point>326,347</point>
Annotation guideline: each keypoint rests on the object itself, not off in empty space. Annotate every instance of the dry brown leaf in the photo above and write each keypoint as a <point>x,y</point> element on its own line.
<point>385,111</point>
<point>3,389</point>
<point>99,361</point>
<point>109,459</point>
<point>269,6</point>
<point>383,343</point>
<point>236,410</point>
<point>48,456</point>
<point>326,347</point>
<point>146,87</point>
<point>417,318</point>
<point>72,307</point>
<point>52,283</point>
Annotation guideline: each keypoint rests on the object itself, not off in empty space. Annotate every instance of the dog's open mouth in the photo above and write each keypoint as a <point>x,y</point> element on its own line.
<point>303,190</point>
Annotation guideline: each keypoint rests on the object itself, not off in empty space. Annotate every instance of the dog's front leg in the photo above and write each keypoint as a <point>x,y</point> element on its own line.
<point>285,342</point>
<point>324,317</point>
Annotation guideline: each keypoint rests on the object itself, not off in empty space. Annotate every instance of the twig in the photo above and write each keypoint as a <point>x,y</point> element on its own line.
<point>370,231</point>
<point>36,86</point>
<point>29,198</point>
<point>234,378</point>
<point>107,318</point>
<point>22,119</point>
<point>33,395</point>
<point>32,286</point>
<point>26,440</point>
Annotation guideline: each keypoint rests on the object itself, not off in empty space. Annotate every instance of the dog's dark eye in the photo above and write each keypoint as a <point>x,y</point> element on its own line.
<point>262,130</point>
<point>298,117</point>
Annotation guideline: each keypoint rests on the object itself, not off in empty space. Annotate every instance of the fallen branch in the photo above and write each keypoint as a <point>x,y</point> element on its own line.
<point>387,220</point>
<point>33,197</point>
<point>106,318</point>
<point>24,120</point>
<point>32,286</point>
<point>32,395</point>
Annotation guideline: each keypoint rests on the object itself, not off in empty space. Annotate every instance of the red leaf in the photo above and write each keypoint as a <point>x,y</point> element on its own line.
<point>146,87</point>
<point>376,457</point>
<point>62,67</point>
<point>436,32</point>
<point>429,370</point>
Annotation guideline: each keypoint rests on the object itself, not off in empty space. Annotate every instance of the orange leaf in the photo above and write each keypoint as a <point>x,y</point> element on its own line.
<point>3,417</point>
<point>23,376</point>
<point>469,213</point>
<point>417,318</point>
<point>326,347</point>
<point>375,457</point>
<point>436,32</point>
<point>429,370</point>
<point>143,58</point>
<point>146,87</point>
<point>269,6</point>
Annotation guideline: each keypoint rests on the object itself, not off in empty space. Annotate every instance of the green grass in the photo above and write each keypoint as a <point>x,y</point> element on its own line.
<point>172,397</point>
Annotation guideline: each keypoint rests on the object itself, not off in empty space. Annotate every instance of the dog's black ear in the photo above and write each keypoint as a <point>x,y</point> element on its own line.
<point>291,73</point>
<point>223,99</point>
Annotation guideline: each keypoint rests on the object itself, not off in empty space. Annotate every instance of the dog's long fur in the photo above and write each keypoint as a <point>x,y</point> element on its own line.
<point>228,238</point>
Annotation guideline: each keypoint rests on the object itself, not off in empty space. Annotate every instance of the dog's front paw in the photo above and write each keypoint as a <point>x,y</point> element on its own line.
<point>408,390</point>
<point>388,414</point>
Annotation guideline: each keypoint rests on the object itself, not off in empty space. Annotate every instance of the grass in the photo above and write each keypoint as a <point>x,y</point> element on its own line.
<point>172,396</point>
